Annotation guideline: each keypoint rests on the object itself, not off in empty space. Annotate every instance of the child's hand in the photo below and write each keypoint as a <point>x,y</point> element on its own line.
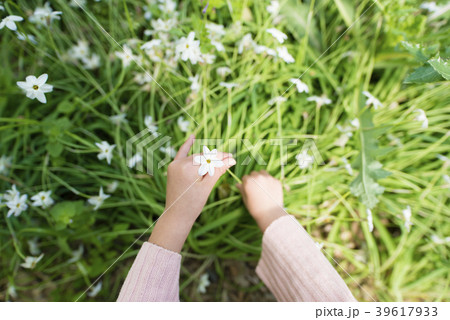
<point>186,196</point>
<point>187,192</point>
<point>263,197</point>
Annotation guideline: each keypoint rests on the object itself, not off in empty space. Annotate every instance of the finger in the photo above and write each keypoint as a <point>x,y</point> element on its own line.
<point>239,186</point>
<point>264,172</point>
<point>185,148</point>
<point>219,171</point>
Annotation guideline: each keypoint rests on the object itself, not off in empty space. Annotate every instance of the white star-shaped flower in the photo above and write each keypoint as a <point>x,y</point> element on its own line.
<point>223,71</point>
<point>422,117</point>
<point>301,86</point>
<point>17,204</point>
<point>304,160</point>
<point>277,34</point>
<point>208,161</point>
<point>36,87</point>
<point>10,22</point>
<point>320,100</point>
<point>183,124</point>
<point>42,199</point>
<point>203,283</point>
<point>126,55</point>
<point>134,160</point>
<point>148,121</point>
<point>97,201</point>
<point>189,49</point>
<point>31,262</point>
<point>284,54</point>
<point>105,151</point>
<point>371,100</point>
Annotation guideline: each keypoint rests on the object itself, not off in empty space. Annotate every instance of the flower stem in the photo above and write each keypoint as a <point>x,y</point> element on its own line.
<point>234,176</point>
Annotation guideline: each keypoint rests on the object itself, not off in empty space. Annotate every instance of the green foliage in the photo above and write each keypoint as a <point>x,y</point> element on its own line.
<point>365,185</point>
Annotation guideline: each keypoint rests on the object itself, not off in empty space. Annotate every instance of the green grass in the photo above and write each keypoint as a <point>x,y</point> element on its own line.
<point>52,145</point>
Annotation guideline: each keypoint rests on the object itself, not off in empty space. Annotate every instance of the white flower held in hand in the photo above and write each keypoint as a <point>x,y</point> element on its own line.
<point>36,87</point>
<point>105,151</point>
<point>10,22</point>
<point>208,161</point>
<point>97,201</point>
<point>31,262</point>
<point>42,199</point>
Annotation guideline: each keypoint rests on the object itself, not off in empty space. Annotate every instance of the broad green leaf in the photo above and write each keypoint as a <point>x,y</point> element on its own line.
<point>423,74</point>
<point>365,186</point>
<point>64,212</point>
<point>441,66</point>
<point>416,51</point>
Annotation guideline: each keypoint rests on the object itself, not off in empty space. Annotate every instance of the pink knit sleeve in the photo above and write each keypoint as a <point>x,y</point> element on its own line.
<point>154,276</point>
<point>294,268</point>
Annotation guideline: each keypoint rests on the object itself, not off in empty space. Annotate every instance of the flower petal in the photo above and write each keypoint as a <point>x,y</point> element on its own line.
<point>203,170</point>
<point>42,79</point>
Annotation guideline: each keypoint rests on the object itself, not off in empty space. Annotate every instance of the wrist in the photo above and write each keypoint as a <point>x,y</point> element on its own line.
<point>264,219</point>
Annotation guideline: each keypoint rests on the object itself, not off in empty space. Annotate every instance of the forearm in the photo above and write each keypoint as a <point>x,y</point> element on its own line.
<point>171,229</point>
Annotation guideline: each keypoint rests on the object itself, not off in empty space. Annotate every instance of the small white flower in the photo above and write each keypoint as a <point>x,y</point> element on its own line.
<point>371,100</point>
<point>320,101</point>
<point>43,15</point>
<point>218,45</point>
<point>369,219</point>
<point>17,205</point>
<point>42,199</point>
<point>422,117</point>
<point>229,85</point>
<point>304,160</point>
<point>273,8</point>
<point>12,289</point>
<point>160,25</point>
<point>439,156</point>
<point>126,55</point>
<point>215,31</point>
<point>151,44</point>
<point>92,62</point>
<point>347,166</point>
<point>446,178</point>
<point>79,51</point>
<point>5,164</point>
<point>169,151</point>
<point>263,49</point>
<point>105,151</point>
<point>277,34</point>
<point>284,54</point>
<point>203,283</point>
<point>301,86</point>
<point>112,187</point>
<point>438,240</point>
<point>97,201</point>
<point>33,246</point>
<point>76,254</point>
<point>208,161</point>
<point>148,121</point>
<point>407,216</point>
<point>355,123</point>
<point>23,37</point>
<point>10,22</point>
<point>134,160</point>
<point>245,43</point>
<point>275,100</point>
<point>95,290</point>
<point>11,194</point>
<point>188,48</point>
<point>183,124</point>
<point>430,6</point>
<point>36,87</point>
<point>31,262</point>
<point>119,119</point>
<point>223,71</point>
<point>208,58</point>
<point>167,6</point>
<point>195,83</point>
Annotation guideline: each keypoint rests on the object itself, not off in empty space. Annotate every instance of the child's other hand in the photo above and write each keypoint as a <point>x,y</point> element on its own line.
<point>187,192</point>
<point>263,197</point>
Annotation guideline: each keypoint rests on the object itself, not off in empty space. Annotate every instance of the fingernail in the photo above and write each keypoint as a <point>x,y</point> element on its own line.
<point>231,162</point>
